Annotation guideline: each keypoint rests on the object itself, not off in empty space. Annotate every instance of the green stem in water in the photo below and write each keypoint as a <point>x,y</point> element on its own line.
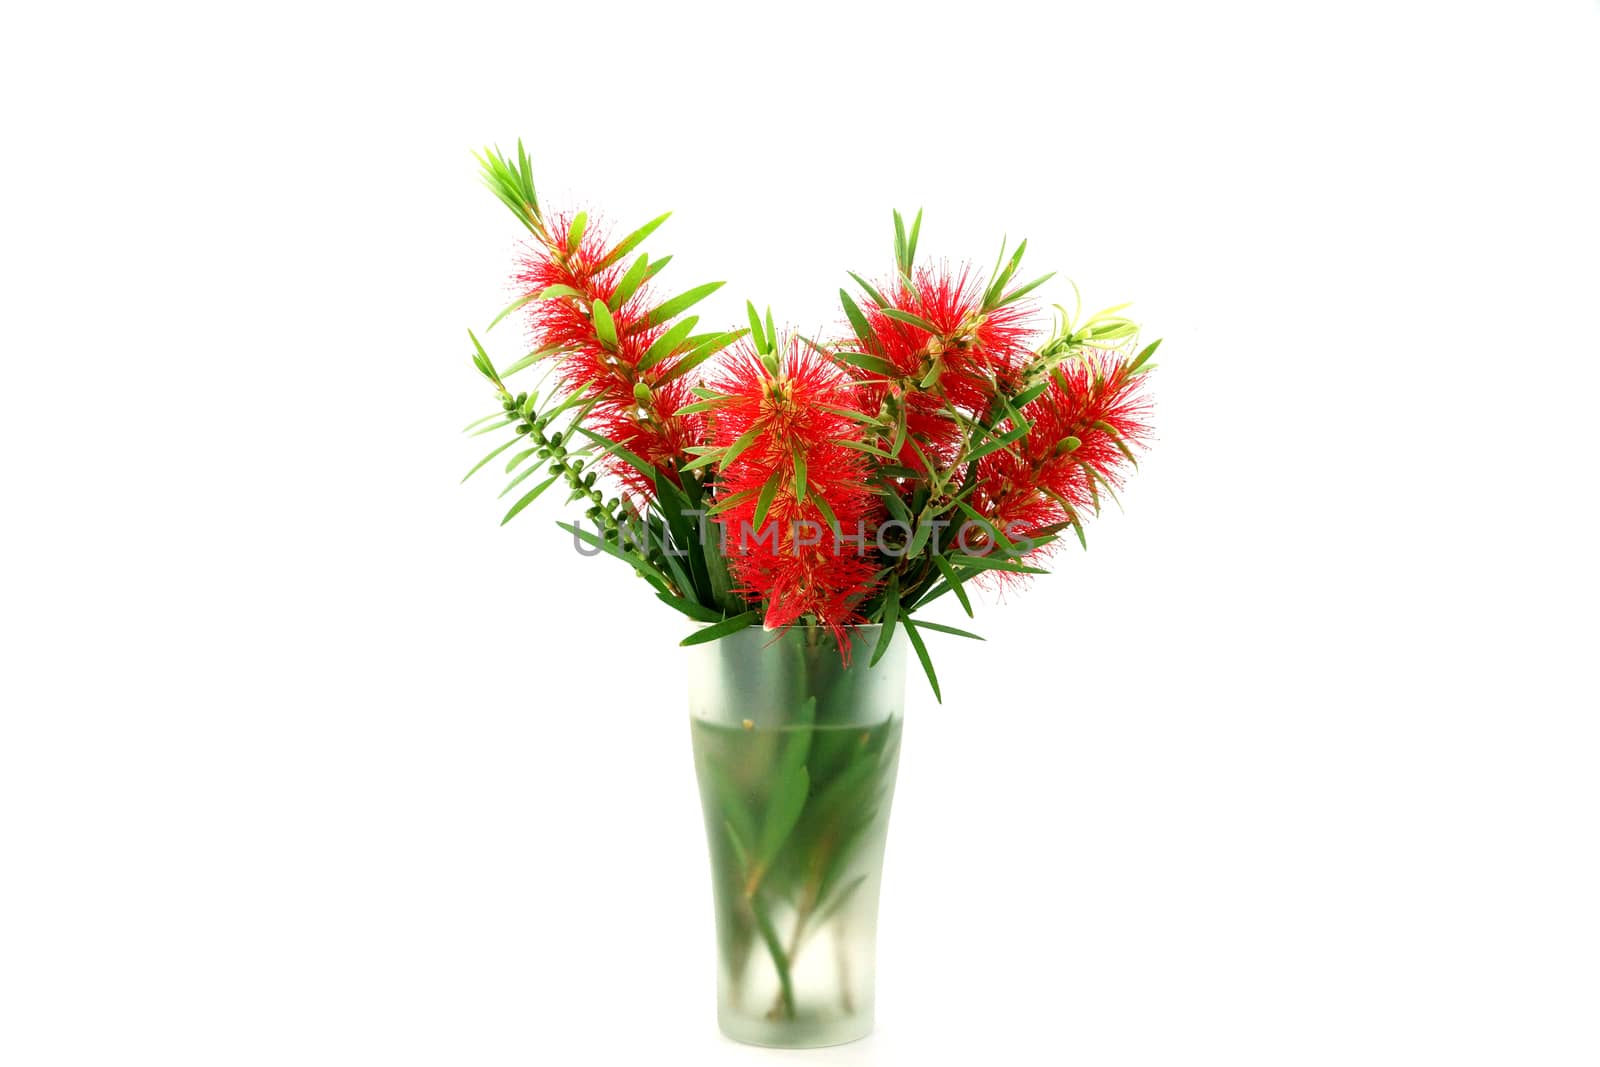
<point>780,959</point>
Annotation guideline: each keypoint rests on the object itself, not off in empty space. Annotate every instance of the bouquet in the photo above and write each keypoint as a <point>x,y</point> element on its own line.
<point>938,437</point>
<point>799,496</point>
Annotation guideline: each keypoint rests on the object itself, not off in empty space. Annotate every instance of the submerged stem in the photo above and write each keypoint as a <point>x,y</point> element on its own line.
<point>780,959</point>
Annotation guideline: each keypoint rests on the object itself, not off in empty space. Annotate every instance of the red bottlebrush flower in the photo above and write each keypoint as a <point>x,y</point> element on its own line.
<point>969,354</point>
<point>1084,429</point>
<point>645,421</point>
<point>792,559</point>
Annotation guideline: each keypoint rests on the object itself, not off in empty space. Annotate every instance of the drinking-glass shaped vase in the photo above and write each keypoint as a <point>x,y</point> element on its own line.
<point>795,749</point>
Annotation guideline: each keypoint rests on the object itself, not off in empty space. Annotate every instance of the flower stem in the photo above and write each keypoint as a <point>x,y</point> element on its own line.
<point>780,959</point>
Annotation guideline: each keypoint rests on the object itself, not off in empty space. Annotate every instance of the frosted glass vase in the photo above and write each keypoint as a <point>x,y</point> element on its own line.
<point>796,753</point>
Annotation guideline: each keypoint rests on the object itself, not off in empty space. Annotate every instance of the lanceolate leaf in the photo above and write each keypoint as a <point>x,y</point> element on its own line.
<point>646,569</point>
<point>530,359</point>
<point>529,497</point>
<point>764,501</point>
<point>509,308</point>
<point>604,326</point>
<point>1029,395</point>
<point>992,563</point>
<point>946,629</point>
<point>1023,290</point>
<point>783,811</point>
<point>697,612</point>
<point>531,468</point>
<point>922,654</point>
<point>858,321</point>
<point>632,241</point>
<point>872,293</point>
<point>642,466</point>
<point>664,345</point>
<point>756,333</point>
<point>881,367</point>
<point>891,613</point>
<point>911,320</point>
<point>486,459</point>
<point>702,352</point>
<point>954,581</point>
<point>629,284</point>
<point>677,305</point>
<point>722,629</point>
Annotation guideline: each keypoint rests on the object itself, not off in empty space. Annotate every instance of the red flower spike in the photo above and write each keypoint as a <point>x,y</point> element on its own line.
<point>971,353</point>
<point>791,559</point>
<point>1093,401</point>
<point>655,431</point>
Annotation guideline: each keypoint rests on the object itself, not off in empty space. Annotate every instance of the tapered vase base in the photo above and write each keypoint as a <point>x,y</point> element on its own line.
<point>796,1033</point>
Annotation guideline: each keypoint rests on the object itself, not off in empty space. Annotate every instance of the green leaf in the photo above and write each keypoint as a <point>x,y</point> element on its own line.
<point>994,532</point>
<point>509,308</point>
<point>1029,395</point>
<point>891,612</point>
<point>876,297</point>
<point>530,469</point>
<point>542,352</point>
<point>644,567</point>
<point>896,506</point>
<point>862,446</point>
<point>911,320</point>
<point>911,243</point>
<point>995,444</point>
<point>722,629</point>
<point>858,321</point>
<point>881,367</point>
<point>702,461</point>
<point>699,354</point>
<point>605,327</point>
<point>629,283</point>
<point>730,501</point>
<point>1023,290</point>
<point>632,241</point>
<point>798,745</point>
<point>580,222</point>
<point>764,501</point>
<point>639,464</point>
<point>772,331</point>
<point>492,428</point>
<point>666,343</point>
<point>1140,360</point>
<point>756,335</point>
<point>677,305</point>
<point>993,563</point>
<point>519,457</point>
<point>942,628</point>
<point>512,184</point>
<point>799,476</point>
<point>479,422</point>
<point>921,530</point>
<point>529,497</point>
<point>481,358</point>
<point>954,581</point>
<point>922,654</point>
<point>697,612</point>
<point>827,514</point>
<point>477,466</point>
<point>551,292</point>
<point>783,811</point>
<point>780,958</point>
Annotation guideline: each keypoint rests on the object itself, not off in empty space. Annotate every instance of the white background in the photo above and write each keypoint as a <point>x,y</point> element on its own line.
<point>304,759</point>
